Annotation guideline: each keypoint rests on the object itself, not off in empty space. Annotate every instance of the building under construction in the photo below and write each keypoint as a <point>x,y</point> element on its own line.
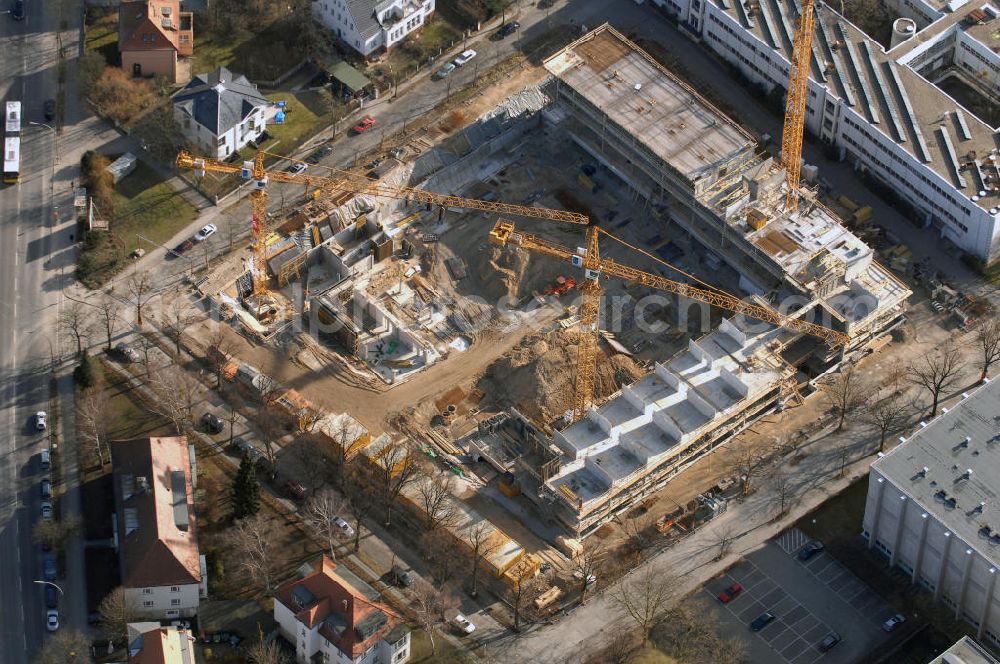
<point>700,170</point>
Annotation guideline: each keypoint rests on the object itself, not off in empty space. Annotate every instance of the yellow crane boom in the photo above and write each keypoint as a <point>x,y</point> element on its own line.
<point>505,233</point>
<point>349,182</point>
<point>795,102</point>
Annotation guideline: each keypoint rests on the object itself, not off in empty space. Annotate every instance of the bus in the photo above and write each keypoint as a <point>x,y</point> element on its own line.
<point>13,119</point>
<point>12,160</point>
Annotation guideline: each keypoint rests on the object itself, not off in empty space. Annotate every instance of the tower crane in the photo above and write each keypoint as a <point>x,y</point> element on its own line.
<point>505,233</point>
<point>795,102</point>
<point>342,181</point>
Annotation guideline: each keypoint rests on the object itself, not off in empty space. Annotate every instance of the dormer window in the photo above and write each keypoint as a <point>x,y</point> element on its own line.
<point>165,11</point>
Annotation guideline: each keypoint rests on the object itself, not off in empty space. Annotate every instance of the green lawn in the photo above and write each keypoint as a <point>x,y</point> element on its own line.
<point>304,111</point>
<point>263,56</point>
<point>146,205</point>
<point>420,649</point>
<point>102,32</point>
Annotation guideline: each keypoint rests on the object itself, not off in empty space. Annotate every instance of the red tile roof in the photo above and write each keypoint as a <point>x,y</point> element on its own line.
<point>156,546</point>
<point>335,596</point>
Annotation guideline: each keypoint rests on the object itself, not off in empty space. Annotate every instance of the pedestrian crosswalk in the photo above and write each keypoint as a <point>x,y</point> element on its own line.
<point>792,540</point>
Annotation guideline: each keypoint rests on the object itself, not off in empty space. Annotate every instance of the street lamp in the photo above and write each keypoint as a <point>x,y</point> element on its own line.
<point>49,583</point>
<point>41,124</point>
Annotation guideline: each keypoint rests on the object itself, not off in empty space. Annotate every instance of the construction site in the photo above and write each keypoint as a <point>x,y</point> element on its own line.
<point>576,295</point>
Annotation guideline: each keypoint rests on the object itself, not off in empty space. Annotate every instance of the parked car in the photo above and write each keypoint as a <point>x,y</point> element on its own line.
<point>183,246</point>
<point>343,526</point>
<point>49,109</point>
<point>829,641</point>
<point>49,567</point>
<point>297,168</point>
<point>464,57</point>
<point>47,510</point>
<point>40,418</point>
<point>206,232</point>
<point>366,123</point>
<point>295,490</point>
<point>51,597</point>
<point>762,621</point>
<point>444,71</point>
<point>52,620</point>
<point>894,622</point>
<point>319,154</point>
<point>241,447</point>
<point>464,624</point>
<point>810,550</point>
<point>45,459</point>
<point>730,593</point>
<point>17,11</point>
<point>506,30</point>
<point>401,576</point>
<point>126,352</point>
<point>213,423</point>
<point>46,488</point>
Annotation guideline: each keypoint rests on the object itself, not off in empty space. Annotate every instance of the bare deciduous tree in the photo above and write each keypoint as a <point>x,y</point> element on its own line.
<point>146,345</point>
<point>433,605</point>
<point>139,286</point>
<point>263,651</point>
<point>117,610</point>
<point>521,592</point>
<point>483,541</point>
<point>988,343</point>
<point>219,350</point>
<point>937,372</point>
<point>887,415</point>
<point>53,534</point>
<point>74,324</point>
<point>270,432</point>
<point>360,503</point>
<point>724,536</point>
<point>395,467</point>
<point>251,540</point>
<point>320,512</point>
<point>588,562</point>
<point>441,550</point>
<point>749,463</point>
<point>67,646</point>
<point>108,311</point>
<point>687,636</point>
<point>645,597</point>
<point>176,318</point>
<point>434,493</point>
<point>313,463</point>
<point>783,489</point>
<point>844,392</point>
<point>94,412</point>
<point>176,392</point>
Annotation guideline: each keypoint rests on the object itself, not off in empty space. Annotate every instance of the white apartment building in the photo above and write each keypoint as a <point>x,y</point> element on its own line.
<point>334,617</point>
<point>884,110</point>
<point>370,25</point>
<point>220,112</point>
<point>162,571</point>
<point>932,509</point>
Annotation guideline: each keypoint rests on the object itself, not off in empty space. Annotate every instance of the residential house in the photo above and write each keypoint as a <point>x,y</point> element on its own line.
<point>155,38</point>
<point>149,643</point>
<point>154,526</point>
<point>334,617</point>
<point>370,25</point>
<point>220,112</point>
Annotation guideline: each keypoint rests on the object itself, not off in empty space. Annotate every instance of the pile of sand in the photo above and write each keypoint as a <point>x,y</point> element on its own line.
<point>514,273</point>
<point>537,376</point>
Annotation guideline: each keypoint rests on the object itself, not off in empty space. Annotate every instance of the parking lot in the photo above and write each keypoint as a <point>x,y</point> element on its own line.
<point>809,599</point>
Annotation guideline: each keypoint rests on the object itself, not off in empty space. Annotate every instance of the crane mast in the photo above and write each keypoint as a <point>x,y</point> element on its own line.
<point>795,102</point>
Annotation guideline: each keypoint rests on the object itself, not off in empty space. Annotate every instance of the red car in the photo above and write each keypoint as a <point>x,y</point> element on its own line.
<point>730,593</point>
<point>366,123</point>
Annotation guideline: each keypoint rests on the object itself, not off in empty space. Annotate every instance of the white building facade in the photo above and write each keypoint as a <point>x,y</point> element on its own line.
<point>220,112</point>
<point>931,509</point>
<point>367,25</point>
<point>880,108</point>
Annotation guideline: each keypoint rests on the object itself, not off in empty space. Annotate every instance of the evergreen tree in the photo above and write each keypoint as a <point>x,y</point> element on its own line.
<point>246,491</point>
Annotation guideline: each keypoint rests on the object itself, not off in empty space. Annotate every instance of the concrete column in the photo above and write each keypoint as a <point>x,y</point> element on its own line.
<point>943,567</point>
<point>920,547</point>
<point>877,512</point>
<point>900,524</point>
<point>965,583</point>
<point>988,604</point>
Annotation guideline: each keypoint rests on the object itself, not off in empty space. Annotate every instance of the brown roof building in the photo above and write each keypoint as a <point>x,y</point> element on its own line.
<point>155,525</point>
<point>332,611</point>
<point>155,38</point>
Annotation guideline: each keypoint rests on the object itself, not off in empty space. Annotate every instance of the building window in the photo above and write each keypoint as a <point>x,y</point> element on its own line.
<point>175,602</point>
<point>148,604</point>
<point>222,141</point>
<point>175,589</point>
<point>173,613</point>
<point>185,39</point>
<point>147,591</point>
<point>148,37</point>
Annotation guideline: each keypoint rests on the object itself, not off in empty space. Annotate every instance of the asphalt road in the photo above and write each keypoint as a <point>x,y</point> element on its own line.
<point>35,260</point>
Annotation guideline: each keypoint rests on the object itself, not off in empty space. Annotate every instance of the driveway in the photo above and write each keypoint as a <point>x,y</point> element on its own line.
<point>810,600</point>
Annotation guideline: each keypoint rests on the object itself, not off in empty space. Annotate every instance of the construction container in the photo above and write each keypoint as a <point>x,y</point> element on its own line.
<point>569,546</point>
<point>862,216</point>
<point>756,219</point>
<point>547,598</point>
